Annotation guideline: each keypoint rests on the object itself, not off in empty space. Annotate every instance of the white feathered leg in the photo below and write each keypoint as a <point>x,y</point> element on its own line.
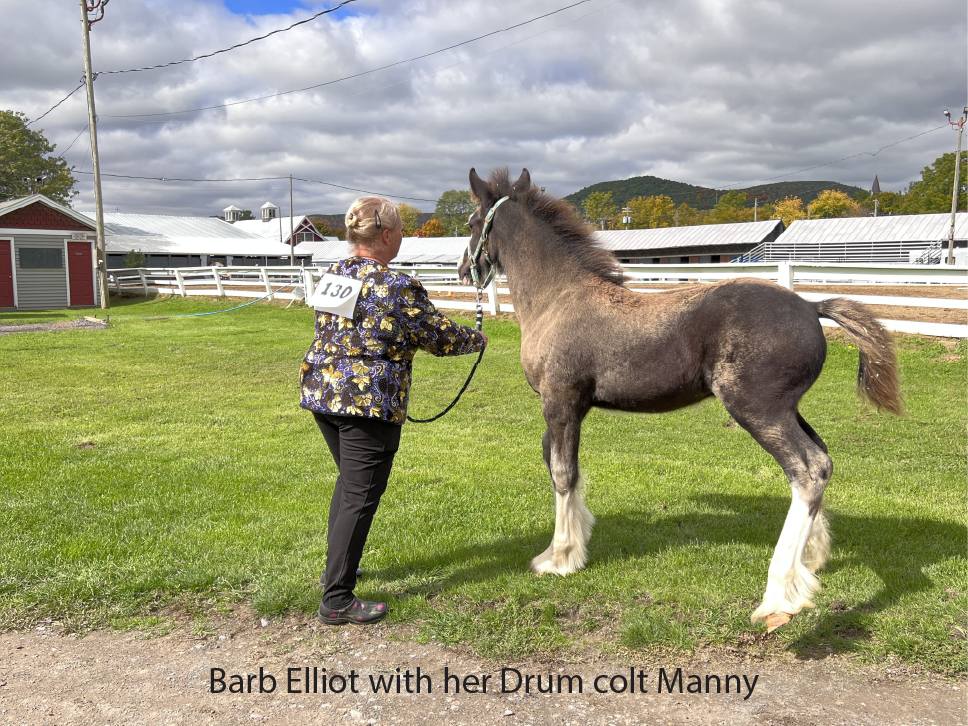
<point>568,551</point>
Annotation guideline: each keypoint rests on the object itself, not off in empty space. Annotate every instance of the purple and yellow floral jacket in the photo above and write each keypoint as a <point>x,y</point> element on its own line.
<point>361,366</point>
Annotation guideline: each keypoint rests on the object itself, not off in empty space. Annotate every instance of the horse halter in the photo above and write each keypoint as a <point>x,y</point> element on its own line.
<point>474,255</point>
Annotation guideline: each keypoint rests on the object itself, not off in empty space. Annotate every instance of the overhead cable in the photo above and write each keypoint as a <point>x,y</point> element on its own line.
<point>852,156</point>
<point>355,75</point>
<point>233,47</point>
<point>262,179</point>
<point>45,112</point>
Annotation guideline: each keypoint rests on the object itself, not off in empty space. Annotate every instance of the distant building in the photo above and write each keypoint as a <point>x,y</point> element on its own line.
<point>876,186</point>
<point>902,238</point>
<point>174,241</point>
<point>47,255</point>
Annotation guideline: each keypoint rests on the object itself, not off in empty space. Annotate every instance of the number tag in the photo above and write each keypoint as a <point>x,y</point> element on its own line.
<point>337,295</point>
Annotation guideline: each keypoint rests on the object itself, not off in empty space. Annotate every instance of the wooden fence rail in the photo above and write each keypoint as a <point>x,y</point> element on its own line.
<point>297,283</point>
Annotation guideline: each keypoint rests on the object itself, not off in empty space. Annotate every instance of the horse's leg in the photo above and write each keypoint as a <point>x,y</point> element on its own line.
<point>818,546</point>
<point>573,522</point>
<point>805,540</point>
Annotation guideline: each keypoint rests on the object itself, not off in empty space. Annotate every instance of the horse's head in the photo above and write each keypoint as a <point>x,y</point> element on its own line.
<point>482,257</point>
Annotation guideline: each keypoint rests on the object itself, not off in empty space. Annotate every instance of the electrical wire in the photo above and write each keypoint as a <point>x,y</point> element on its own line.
<point>261,179</point>
<point>29,123</point>
<point>61,156</point>
<point>852,156</point>
<point>233,47</point>
<point>363,73</point>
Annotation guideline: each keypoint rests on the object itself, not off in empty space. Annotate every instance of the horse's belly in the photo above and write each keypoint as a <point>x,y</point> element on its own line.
<point>644,400</point>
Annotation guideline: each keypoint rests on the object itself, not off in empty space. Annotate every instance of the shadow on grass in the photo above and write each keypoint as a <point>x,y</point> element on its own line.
<point>897,549</point>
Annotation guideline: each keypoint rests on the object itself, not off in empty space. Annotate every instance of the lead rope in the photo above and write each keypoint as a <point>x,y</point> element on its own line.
<point>477,326</point>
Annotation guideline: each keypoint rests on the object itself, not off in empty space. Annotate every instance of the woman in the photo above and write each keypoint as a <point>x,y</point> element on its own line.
<point>356,380</point>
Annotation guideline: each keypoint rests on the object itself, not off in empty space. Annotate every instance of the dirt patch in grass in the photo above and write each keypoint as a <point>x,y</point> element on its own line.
<point>79,324</point>
<point>163,674</point>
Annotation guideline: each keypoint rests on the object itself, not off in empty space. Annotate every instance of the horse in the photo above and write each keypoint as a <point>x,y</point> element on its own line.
<point>587,340</point>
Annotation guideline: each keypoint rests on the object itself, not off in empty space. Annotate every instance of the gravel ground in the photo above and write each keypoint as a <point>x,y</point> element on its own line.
<point>79,324</point>
<point>114,677</point>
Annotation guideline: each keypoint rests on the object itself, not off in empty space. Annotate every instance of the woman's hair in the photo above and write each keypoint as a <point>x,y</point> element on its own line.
<point>368,217</point>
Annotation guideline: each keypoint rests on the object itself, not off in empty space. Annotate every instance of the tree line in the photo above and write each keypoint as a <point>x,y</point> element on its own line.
<point>929,194</point>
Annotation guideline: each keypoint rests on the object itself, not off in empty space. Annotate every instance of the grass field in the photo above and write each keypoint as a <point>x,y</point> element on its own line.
<point>165,464</point>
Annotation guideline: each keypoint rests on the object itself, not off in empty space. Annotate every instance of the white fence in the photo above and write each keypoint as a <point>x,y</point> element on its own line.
<point>292,283</point>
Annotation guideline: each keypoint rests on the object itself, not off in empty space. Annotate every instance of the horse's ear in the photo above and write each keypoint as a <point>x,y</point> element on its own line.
<point>479,188</point>
<point>523,183</point>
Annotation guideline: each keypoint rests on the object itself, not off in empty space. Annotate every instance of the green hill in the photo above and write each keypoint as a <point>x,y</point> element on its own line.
<point>702,197</point>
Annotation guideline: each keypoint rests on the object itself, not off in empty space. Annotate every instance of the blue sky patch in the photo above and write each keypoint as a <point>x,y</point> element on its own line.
<point>275,7</point>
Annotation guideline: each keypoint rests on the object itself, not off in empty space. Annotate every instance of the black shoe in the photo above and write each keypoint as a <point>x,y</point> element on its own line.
<point>358,612</point>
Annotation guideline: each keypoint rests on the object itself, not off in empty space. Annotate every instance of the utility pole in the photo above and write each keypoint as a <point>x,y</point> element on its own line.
<point>626,216</point>
<point>954,192</point>
<point>102,271</point>
<point>292,242</point>
<point>755,201</point>
<point>876,204</point>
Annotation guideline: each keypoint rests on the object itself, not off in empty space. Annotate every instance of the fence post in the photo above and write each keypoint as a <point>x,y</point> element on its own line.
<point>181,283</point>
<point>493,305</point>
<point>144,280</point>
<point>218,281</point>
<point>265,279</point>
<point>308,284</point>
<point>784,274</point>
<point>117,283</point>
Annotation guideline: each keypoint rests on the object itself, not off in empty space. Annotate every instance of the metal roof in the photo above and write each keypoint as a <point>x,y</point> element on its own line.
<point>163,225</point>
<point>270,229</point>
<point>413,250</point>
<point>902,228</point>
<point>166,234</point>
<point>706,235</point>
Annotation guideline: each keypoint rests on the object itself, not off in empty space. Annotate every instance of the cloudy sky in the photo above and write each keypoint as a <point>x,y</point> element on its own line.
<point>715,93</point>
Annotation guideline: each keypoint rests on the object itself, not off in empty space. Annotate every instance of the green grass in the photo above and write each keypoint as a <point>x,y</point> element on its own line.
<point>166,463</point>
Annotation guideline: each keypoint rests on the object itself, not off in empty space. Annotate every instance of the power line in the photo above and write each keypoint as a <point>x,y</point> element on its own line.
<point>362,73</point>
<point>61,156</point>
<point>45,112</point>
<point>852,156</point>
<point>262,179</point>
<point>233,47</point>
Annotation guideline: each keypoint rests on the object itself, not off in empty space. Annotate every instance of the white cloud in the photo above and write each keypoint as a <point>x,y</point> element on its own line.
<point>710,92</point>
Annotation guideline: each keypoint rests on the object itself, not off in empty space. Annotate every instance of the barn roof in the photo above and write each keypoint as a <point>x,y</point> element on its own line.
<point>706,235</point>
<point>901,228</point>
<point>270,229</point>
<point>168,234</point>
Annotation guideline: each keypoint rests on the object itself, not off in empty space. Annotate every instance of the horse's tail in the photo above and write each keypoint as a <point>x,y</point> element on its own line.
<point>877,377</point>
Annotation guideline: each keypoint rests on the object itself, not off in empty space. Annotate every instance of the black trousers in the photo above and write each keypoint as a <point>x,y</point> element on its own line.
<point>363,449</point>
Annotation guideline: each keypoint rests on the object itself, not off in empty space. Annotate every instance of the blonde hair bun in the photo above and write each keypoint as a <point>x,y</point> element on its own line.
<point>361,220</point>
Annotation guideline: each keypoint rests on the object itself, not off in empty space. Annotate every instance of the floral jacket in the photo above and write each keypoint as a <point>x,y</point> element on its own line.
<point>361,366</point>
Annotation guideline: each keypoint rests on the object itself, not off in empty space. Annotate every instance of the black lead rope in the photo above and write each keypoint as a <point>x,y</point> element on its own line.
<point>477,325</point>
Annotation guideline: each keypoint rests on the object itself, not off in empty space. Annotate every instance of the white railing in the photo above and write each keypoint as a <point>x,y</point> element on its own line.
<point>292,283</point>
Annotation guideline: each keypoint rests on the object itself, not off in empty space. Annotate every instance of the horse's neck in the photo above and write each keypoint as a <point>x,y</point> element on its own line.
<point>538,271</point>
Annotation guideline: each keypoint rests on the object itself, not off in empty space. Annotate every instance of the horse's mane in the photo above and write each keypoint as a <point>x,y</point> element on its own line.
<point>575,234</point>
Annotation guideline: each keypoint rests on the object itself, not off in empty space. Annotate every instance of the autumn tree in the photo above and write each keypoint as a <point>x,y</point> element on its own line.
<point>600,209</point>
<point>410,217</point>
<point>731,207</point>
<point>789,209</point>
<point>833,203</point>
<point>25,152</point>
<point>686,216</point>
<point>433,228</point>
<point>932,192</point>
<point>453,209</point>
<point>652,212</point>
<point>329,231</point>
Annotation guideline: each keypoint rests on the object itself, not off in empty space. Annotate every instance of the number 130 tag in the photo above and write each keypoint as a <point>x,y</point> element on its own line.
<point>337,295</point>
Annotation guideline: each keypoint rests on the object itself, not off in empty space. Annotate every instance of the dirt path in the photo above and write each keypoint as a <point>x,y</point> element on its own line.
<point>113,678</point>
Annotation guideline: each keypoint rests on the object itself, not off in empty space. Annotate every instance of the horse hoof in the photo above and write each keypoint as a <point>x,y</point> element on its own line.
<point>775,620</point>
